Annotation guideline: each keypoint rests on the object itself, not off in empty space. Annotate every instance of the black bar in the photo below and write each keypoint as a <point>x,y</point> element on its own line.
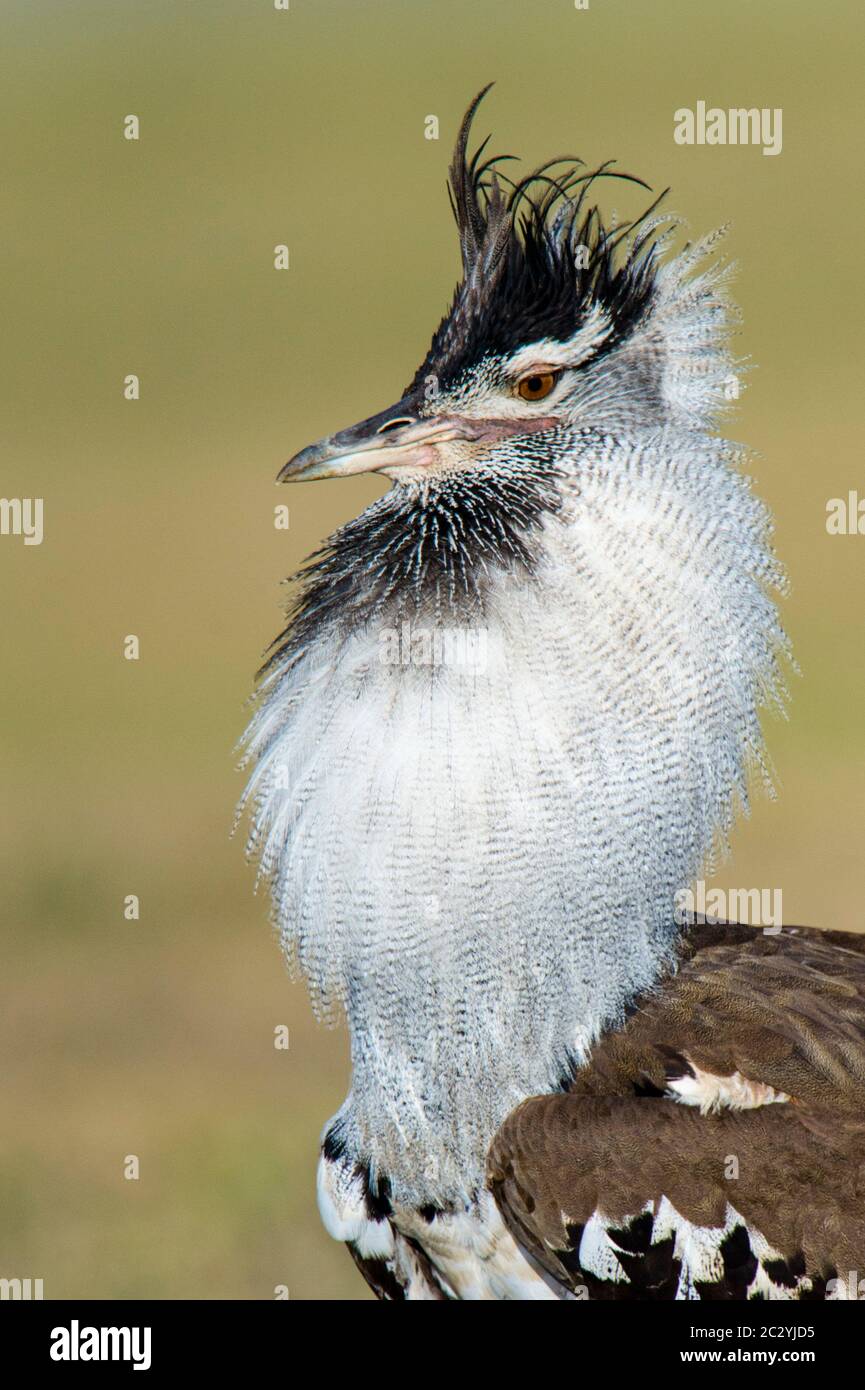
<point>312,1339</point>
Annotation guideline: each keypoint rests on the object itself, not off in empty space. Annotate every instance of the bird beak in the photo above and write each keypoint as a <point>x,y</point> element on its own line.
<point>394,439</point>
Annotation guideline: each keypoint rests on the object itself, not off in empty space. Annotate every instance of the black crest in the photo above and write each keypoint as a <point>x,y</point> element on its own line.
<point>523,278</point>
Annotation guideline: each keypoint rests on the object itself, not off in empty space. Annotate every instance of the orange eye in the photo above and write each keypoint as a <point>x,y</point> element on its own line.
<point>538,385</point>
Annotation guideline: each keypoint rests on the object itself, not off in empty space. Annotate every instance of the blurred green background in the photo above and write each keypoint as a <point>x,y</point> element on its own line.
<point>261,127</point>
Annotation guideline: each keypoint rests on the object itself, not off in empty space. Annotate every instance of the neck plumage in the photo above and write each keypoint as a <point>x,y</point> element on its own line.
<point>474,843</point>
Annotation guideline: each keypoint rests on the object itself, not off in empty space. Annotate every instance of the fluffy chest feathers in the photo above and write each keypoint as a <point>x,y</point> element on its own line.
<point>475,796</point>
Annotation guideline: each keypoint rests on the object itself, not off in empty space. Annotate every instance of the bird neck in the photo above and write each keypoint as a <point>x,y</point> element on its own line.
<point>476,857</point>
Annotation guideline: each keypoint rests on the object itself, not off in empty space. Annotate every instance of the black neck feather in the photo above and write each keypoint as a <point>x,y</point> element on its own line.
<point>428,549</point>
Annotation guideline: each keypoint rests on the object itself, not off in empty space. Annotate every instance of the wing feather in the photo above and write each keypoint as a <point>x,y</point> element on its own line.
<point>756,1189</point>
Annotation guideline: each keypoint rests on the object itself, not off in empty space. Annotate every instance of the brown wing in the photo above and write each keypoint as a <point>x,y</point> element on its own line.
<point>754,1189</point>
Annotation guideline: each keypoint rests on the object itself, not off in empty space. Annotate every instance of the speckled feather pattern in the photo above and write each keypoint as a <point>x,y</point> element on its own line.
<point>478,866</point>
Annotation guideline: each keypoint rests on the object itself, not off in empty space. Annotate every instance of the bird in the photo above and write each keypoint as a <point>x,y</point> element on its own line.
<point>516,708</point>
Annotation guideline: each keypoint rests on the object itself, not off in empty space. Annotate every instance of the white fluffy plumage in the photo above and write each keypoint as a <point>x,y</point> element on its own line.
<point>477,864</point>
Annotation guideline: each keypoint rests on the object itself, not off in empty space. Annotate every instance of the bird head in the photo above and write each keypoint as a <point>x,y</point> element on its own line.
<point>543,331</point>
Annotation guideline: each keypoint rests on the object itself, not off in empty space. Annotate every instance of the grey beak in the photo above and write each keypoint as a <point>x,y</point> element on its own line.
<point>378,442</point>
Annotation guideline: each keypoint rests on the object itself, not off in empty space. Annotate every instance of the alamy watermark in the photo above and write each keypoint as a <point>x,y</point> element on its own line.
<point>845,516</point>
<point>850,1287</point>
<point>740,125</point>
<point>77,1343</point>
<point>22,516</point>
<point>460,647</point>
<point>755,907</point>
<point>21,1290</point>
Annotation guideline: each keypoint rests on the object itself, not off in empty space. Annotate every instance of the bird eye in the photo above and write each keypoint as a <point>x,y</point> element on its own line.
<point>538,385</point>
